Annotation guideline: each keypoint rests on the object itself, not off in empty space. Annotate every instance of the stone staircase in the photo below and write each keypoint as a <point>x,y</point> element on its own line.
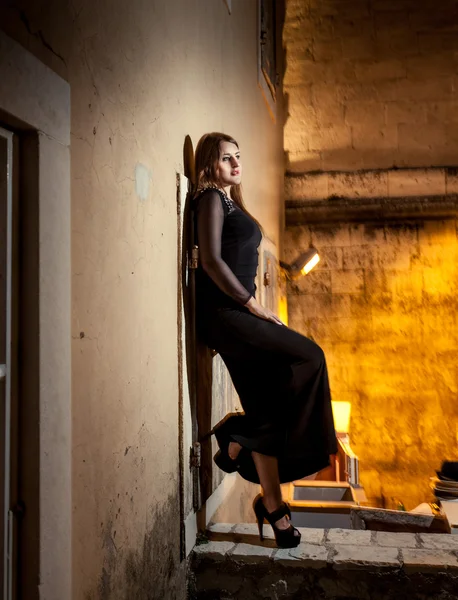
<point>333,564</point>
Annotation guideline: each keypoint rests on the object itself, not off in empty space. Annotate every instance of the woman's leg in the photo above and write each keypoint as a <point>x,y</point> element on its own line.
<point>281,380</point>
<point>267,468</point>
<point>234,449</point>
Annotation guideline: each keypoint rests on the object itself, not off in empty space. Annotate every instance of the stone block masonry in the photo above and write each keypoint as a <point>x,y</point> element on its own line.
<point>333,564</point>
<point>370,84</point>
<point>383,305</point>
<point>371,180</point>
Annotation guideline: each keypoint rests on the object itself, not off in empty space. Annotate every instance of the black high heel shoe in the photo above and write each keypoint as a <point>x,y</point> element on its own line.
<point>222,432</point>
<point>285,538</point>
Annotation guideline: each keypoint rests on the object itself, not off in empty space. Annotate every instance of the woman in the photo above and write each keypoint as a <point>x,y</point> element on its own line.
<point>287,429</point>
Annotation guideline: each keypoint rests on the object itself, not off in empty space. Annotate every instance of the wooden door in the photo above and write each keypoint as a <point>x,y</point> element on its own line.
<point>8,361</point>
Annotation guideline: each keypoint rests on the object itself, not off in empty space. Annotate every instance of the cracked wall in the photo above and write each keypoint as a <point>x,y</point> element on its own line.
<point>142,75</point>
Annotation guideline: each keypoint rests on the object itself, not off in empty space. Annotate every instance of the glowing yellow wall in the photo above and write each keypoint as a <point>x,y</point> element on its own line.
<point>383,304</point>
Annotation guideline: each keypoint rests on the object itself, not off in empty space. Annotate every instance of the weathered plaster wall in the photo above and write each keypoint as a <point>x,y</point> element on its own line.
<point>370,84</point>
<point>383,305</point>
<point>142,76</point>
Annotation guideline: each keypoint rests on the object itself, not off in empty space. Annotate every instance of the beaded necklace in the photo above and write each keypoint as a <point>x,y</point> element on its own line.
<point>228,201</point>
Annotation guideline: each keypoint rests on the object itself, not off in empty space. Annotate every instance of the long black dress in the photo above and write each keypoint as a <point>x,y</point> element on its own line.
<point>279,375</point>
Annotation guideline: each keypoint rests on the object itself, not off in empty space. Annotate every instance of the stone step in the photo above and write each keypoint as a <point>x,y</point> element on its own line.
<point>330,564</point>
<point>247,533</point>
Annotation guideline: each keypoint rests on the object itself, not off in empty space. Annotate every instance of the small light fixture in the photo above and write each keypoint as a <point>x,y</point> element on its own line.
<point>302,265</point>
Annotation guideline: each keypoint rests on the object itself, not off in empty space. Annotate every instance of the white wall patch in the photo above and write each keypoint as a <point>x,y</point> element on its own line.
<point>143,178</point>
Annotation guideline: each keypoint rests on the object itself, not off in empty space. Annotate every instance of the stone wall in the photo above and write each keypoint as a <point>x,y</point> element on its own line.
<point>370,84</point>
<point>372,97</point>
<point>383,305</point>
<point>331,564</point>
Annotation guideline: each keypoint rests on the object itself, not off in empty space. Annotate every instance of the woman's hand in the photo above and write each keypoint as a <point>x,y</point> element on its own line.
<point>263,313</point>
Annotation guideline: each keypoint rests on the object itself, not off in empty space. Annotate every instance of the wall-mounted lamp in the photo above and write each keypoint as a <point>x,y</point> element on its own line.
<point>302,265</point>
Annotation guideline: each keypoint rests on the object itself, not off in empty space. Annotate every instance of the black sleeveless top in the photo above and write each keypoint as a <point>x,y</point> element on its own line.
<point>228,241</point>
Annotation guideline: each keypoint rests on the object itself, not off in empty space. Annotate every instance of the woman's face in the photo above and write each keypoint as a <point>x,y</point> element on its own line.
<point>229,165</point>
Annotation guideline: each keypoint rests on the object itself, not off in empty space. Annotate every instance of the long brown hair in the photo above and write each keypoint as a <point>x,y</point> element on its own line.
<point>206,164</point>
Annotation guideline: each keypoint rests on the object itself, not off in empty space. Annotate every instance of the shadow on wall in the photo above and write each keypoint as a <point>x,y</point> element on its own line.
<point>188,285</point>
<point>199,360</point>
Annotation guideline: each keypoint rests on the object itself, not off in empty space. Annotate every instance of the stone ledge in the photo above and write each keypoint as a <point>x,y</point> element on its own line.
<point>396,540</point>
<point>439,541</point>
<point>248,533</point>
<point>304,556</point>
<point>214,551</point>
<point>216,529</point>
<point>300,212</point>
<point>389,183</point>
<point>349,536</point>
<point>248,553</point>
<point>229,571</point>
<point>428,560</point>
<point>365,557</point>
<point>339,548</point>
